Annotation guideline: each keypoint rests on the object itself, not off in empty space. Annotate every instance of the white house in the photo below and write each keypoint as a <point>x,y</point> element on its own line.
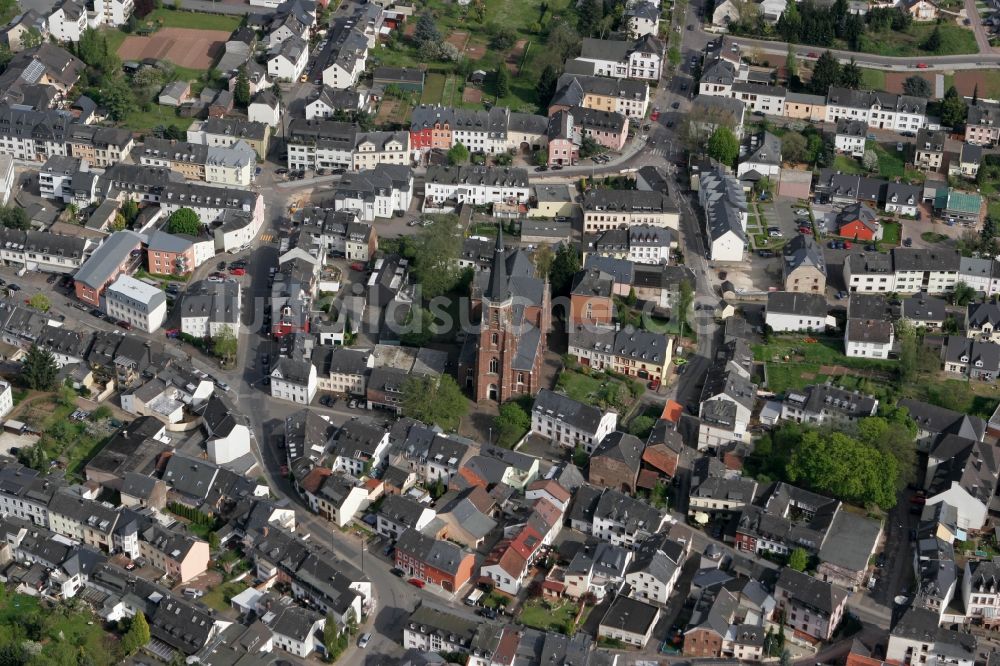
<point>639,59</point>
<point>796,311</point>
<point>570,423</point>
<point>399,512</point>
<point>629,621</point>
<point>851,136</point>
<point>296,630</point>
<point>347,59</point>
<point>879,110</point>
<point>359,447</point>
<point>287,61</point>
<point>868,338</point>
<point>722,198</point>
<point>294,380</point>
<point>113,13</point>
<point>6,399</point>
<point>140,304</point>
<point>917,639</point>
<point>642,18</point>
<point>656,567</point>
<point>763,156</point>
<point>981,592</point>
<point>227,437</point>
<point>68,20</point>
<point>963,473</point>
<point>265,108</point>
<point>476,185</point>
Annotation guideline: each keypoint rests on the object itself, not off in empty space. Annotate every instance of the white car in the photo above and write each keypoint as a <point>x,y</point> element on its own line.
<point>801,211</point>
<point>363,640</point>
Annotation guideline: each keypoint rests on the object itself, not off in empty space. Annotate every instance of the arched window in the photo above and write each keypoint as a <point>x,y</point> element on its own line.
<point>496,339</point>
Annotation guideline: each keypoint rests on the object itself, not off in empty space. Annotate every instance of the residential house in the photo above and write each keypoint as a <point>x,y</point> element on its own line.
<point>796,311</point>
<point>982,123</point>
<point>615,461</point>
<point>975,359</point>
<point>858,222</point>
<point>967,163</point>
<point>962,472</point>
<point>983,321</point>
<point>629,620</point>
<point>916,638</point>
<point>639,59</point>
<point>850,137</point>
<point>627,97</point>
<point>722,199</point>
<point>656,567</point>
<point>613,209</point>
<point>622,520</point>
<point>113,257</point>
<point>809,605</point>
<point>824,403</point>
<point>804,265</point>
<point>398,513</point>
<point>435,562</point>
<point>929,149</point>
<point>141,305</point>
<point>570,423</point>
<point>880,110</point>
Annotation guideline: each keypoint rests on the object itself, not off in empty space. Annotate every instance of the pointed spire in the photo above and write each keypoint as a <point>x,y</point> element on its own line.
<point>498,289</point>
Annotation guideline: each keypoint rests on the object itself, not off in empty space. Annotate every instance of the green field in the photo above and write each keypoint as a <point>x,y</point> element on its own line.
<point>891,232</point>
<point>433,88</point>
<point>545,615</point>
<point>872,79</point>
<point>847,164</point>
<point>173,18</point>
<point>524,17</point>
<point>793,363</point>
<point>955,40</point>
<point>142,121</point>
<point>218,597</point>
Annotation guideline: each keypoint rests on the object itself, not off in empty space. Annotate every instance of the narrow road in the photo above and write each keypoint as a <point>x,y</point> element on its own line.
<point>982,39</point>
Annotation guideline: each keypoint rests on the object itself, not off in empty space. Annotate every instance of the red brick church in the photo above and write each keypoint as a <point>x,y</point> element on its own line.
<point>504,360</point>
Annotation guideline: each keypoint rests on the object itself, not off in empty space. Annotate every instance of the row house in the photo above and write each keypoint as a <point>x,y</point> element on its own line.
<point>99,146</point>
<point>631,352</point>
<point>627,97</point>
<point>233,165</point>
<point>432,455</point>
<point>726,213</point>
<point>808,605</point>
<point>85,520</point>
<point>343,59</point>
<point>26,495</point>
<point>570,423</point>
<point>982,123</point>
<point>982,322</point>
<point>440,563</point>
<point>382,192</point>
<point>226,132</point>
<point>880,110</point>
<point>475,185</point>
<point>42,250</point>
<point>211,204</point>
<point>33,136</point>
<point>320,144</point>
<point>974,359</point>
<point>119,253</point>
<point>903,270</point>
<point>640,59</point>
<point>494,131</point>
<point>374,148</point>
<point>614,209</point>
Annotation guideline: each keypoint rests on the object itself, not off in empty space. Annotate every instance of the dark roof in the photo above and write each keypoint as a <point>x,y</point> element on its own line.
<point>630,615</point>
<point>811,592</point>
<point>938,420</point>
<point>577,414</point>
<point>622,447</point>
<point>791,302</point>
<point>443,555</point>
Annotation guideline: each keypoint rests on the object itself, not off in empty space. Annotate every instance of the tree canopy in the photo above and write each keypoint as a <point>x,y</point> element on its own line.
<point>434,251</point>
<point>917,86</point>
<point>798,559</point>
<point>565,265</point>
<point>14,217</point>
<point>953,108</point>
<point>39,369</point>
<point>836,464</point>
<point>224,344</point>
<point>723,146</point>
<point>434,400</point>
<point>458,154</point>
<point>184,221</point>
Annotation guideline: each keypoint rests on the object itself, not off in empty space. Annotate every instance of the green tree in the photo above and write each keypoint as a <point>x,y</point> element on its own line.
<point>834,463</point>
<point>794,147</point>
<point>589,14</point>
<point>589,147</point>
<point>331,636</point>
<point>723,146</point>
<point>541,157</point>
<point>641,426</point>
<point>39,369</point>
<point>674,57</point>
<point>137,634</point>
<point>963,294</point>
<point>917,86</point>
<point>224,344</point>
<point>580,456</point>
<point>14,217</point>
<point>184,221</point>
<point>543,258</point>
<point>119,223</point>
<point>632,298</point>
<point>907,351</point>
<point>565,265</point>
<point>685,299</point>
<point>503,81</point>
<point>546,86</point>
<point>826,73</point>
<point>850,75</point>
<point>419,327</point>
<point>798,559</point>
<point>933,42</point>
<point>426,30</point>
<point>502,37</point>
<point>241,92</point>
<point>130,209</point>
<point>511,423</point>
<point>40,302</point>
<point>953,108</point>
<point>434,251</point>
<point>434,400</point>
<point>870,160</point>
<point>893,433</point>
<point>792,66</point>
<point>458,154</point>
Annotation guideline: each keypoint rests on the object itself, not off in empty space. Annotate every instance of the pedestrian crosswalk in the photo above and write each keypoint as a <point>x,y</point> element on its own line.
<point>267,238</point>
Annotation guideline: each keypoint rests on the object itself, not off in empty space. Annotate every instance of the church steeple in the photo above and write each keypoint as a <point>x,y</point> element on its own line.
<point>498,288</point>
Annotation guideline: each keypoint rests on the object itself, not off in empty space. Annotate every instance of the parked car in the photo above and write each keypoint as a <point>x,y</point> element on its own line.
<point>907,242</point>
<point>416,582</point>
<point>802,212</point>
<point>121,323</point>
<point>357,266</point>
<point>363,641</point>
<point>238,272</point>
<point>173,332</point>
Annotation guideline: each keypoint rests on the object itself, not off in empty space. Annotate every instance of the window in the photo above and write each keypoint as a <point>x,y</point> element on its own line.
<point>494,366</point>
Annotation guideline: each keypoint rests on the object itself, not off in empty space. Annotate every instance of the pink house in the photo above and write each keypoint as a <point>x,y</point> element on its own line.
<point>564,140</point>
<point>608,128</point>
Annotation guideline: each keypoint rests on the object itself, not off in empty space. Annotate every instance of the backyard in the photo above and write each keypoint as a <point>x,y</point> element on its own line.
<point>596,388</point>
<point>219,596</point>
<point>955,40</point>
<point>174,18</point>
<point>558,616</point>
<point>461,27</point>
<point>792,362</point>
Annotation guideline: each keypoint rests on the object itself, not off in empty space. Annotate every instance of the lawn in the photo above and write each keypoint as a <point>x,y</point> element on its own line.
<point>891,163</point>
<point>140,121</point>
<point>933,237</point>
<point>433,88</point>
<point>545,615</point>
<point>173,18</point>
<point>793,363</point>
<point>59,635</point>
<point>522,16</point>
<point>220,596</point>
<point>872,79</point>
<point>891,232</point>
<point>993,209</point>
<point>955,40</point>
<point>847,164</point>
<point>595,388</point>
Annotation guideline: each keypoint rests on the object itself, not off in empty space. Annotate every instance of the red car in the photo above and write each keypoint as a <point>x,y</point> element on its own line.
<point>655,115</point>
<point>847,245</point>
<point>238,271</point>
<point>357,266</point>
<point>922,65</point>
<point>416,582</point>
<point>173,332</point>
<point>812,54</point>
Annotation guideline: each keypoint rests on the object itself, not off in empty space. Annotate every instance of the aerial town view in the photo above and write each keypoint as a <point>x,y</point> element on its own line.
<point>500,332</point>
